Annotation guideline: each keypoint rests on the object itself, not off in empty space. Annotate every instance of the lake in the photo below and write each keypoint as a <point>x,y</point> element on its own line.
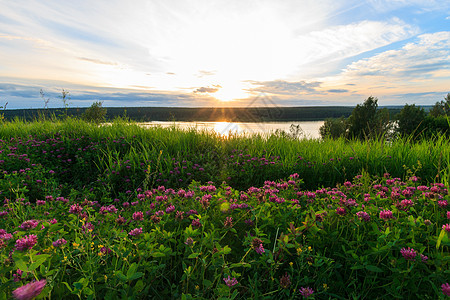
<point>310,129</point>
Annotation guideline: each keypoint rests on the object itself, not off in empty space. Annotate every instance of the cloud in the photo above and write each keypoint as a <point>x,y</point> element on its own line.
<point>426,57</point>
<point>213,89</point>
<point>337,91</point>
<point>281,87</point>
<point>98,61</point>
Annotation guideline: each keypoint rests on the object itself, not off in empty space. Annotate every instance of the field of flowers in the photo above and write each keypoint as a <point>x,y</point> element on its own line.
<point>121,213</point>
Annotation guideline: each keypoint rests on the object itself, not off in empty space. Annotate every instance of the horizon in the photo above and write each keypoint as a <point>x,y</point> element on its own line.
<point>224,53</point>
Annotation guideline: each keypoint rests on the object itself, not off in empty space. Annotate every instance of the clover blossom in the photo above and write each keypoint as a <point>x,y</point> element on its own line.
<point>230,282</point>
<point>30,290</point>
<point>306,291</point>
<point>408,254</point>
<point>27,242</point>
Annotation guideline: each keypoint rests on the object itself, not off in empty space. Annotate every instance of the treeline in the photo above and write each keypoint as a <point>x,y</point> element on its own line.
<point>367,121</point>
<point>147,114</point>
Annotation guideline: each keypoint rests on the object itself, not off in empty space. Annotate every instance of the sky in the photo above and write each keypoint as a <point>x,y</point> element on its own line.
<point>214,53</point>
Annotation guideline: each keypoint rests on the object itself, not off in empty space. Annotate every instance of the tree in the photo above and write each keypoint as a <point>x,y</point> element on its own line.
<point>95,113</point>
<point>410,120</point>
<point>334,128</point>
<point>441,108</point>
<point>366,121</point>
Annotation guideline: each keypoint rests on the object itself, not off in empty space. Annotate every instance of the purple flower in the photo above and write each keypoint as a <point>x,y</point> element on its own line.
<point>59,243</point>
<point>30,224</point>
<point>40,202</point>
<point>27,242</point>
<point>408,254</point>
<point>306,291</point>
<point>446,289</point>
<point>135,232</point>
<point>446,227</point>
<point>362,215</point>
<point>170,209</point>
<point>386,215</point>
<point>423,257</point>
<point>230,282</point>
<point>75,209</point>
<point>138,216</point>
<point>448,215</point>
<point>30,290</point>
<point>189,241</point>
<point>196,223</point>
<point>257,245</point>
<point>341,211</point>
<point>88,227</point>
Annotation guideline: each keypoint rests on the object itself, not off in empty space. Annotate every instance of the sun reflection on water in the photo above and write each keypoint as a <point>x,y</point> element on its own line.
<point>227,128</point>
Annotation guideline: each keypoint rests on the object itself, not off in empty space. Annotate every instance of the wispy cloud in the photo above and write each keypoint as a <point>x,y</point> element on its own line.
<point>427,57</point>
<point>281,87</point>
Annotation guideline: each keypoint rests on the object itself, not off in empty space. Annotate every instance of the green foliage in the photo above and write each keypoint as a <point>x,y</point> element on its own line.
<point>367,122</point>
<point>410,121</point>
<point>334,128</point>
<point>95,113</point>
<point>441,108</point>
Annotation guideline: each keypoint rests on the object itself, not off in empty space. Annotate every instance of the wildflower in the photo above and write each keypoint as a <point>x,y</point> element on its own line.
<point>40,202</point>
<point>448,215</point>
<point>257,245</point>
<point>362,215</point>
<point>30,290</point>
<point>196,223</point>
<point>230,282</point>
<point>408,254</point>
<point>18,275</point>
<point>170,209</point>
<point>306,291</point>
<point>285,281</point>
<point>59,242</point>
<point>121,220</point>
<point>27,242</point>
<point>75,209</point>
<point>30,224</point>
<point>135,232</point>
<point>446,289</point>
<point>427,222</point>
<point>228,222</point>
<point>446,227</point>
<point>386,215</point>
<point>341,211</point>
<point>179,215</point>
<point>88,227</point>
<point>424,258</point>
<point>189,241</point>
<point>138,216</point>
<point>155,219</point>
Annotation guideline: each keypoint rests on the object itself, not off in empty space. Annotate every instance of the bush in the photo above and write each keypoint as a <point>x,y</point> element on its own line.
<point>95,113</point>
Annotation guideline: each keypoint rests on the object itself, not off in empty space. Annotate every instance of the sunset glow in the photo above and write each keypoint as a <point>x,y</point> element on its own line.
<point>224,53</point>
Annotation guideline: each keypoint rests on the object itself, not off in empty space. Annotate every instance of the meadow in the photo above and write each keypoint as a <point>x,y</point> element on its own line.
<point>121,212</point>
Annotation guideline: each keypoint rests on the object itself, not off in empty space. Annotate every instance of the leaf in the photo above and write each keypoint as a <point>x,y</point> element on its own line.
<point>40,259</point>
<point>226,249</point>
<point>22,265</point>
<point>131,270</point>
<point>68,286</point>
<point>136,276</point>
<point>441,236</point>
<point>206,283</point>
<point>194,255</point>
<point>139,286</point>
<point>158,254</point>
<point>374,269</point>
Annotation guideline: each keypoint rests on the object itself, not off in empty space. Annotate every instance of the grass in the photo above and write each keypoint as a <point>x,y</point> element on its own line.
<point>118,211</point>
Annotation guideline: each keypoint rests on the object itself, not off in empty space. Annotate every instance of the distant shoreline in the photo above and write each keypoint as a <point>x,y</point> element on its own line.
<point>207,114</point>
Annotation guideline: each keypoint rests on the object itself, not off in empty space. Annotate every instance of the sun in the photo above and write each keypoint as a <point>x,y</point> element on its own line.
<point>230,91</point>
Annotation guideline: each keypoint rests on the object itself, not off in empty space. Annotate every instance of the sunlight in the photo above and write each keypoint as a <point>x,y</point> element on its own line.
<point>227,128</point>
<point>230,91</point>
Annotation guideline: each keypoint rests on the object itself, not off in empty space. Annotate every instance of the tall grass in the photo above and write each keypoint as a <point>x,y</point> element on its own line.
<point>151,154</point>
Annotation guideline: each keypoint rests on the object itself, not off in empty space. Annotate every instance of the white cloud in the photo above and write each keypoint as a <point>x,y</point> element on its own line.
<point>418,60</point>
